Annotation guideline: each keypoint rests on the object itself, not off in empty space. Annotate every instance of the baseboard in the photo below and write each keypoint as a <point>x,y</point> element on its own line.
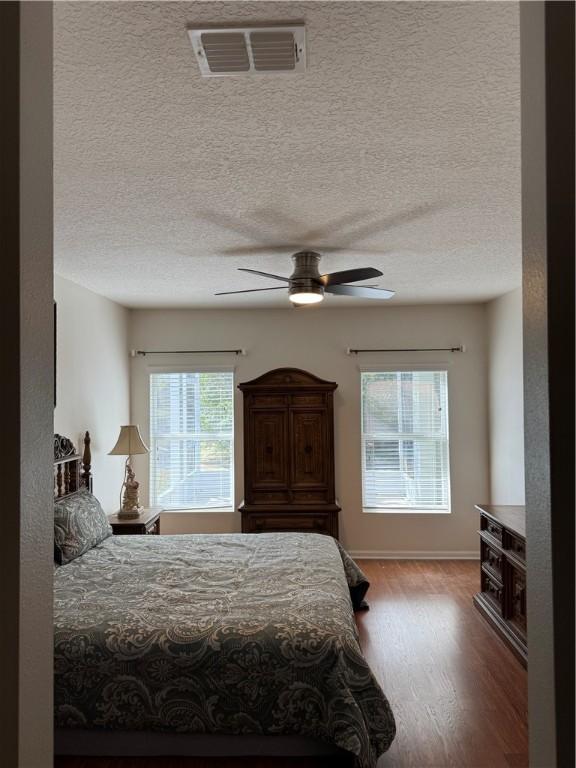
<point>403,554</point>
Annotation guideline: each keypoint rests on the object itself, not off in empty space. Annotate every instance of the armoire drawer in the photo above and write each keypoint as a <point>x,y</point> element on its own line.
<point>270,497</point>
<point>310,497</point>
<point>295,522</point>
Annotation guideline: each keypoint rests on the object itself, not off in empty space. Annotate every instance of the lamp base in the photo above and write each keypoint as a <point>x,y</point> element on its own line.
<point>130,507</point>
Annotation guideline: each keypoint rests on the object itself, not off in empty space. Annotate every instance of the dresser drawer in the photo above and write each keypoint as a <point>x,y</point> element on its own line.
<point>517,601</point>
<point>492,589</point>
<point>491,558</point>
<point>517,546</point>
<point>491,528</point>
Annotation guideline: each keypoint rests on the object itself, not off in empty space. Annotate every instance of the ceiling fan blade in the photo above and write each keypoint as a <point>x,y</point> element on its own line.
<point>251,290</point>
<point>265,274</point>
<point>350,276</point>
<point>360,291</point>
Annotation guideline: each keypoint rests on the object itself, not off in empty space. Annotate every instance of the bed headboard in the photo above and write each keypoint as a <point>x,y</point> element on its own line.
<point>71,471</point>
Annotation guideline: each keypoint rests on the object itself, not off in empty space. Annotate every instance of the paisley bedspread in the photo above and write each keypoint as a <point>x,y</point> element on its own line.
<point>223,634</point>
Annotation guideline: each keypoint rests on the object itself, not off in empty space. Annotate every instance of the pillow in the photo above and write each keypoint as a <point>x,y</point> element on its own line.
<point>79,525</point>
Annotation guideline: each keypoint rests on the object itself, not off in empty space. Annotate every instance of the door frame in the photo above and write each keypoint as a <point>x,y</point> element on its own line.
<point>547,54</point>
<point>26,384</point>
<point>547,96</point>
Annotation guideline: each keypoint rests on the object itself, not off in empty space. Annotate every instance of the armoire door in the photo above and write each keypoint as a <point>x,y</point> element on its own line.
<point>269,454</point>
<point>309,459</point>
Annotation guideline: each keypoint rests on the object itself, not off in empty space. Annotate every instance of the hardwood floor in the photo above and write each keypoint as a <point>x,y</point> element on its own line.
<point>458,693</point>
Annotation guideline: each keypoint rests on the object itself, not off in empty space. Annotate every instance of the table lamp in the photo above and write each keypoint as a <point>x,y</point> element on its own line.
<point>129,444</point>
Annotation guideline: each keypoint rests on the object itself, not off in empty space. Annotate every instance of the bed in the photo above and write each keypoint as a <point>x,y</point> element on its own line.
<point>214,644</point>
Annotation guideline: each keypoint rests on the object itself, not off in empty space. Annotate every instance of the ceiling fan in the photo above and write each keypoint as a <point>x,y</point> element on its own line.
<point>307,286</point>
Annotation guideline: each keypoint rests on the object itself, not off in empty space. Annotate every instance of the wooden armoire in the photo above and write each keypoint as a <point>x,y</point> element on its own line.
<point>289,454</point>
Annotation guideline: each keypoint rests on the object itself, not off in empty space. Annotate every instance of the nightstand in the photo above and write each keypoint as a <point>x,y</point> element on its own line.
<point>147,523</point>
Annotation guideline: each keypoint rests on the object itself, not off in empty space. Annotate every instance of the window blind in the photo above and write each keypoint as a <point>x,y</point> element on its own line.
<point>192,440</point>
<point>405,440</point>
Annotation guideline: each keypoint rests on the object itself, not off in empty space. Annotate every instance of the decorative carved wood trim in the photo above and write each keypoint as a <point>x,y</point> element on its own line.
<point>287,378</point>
<point>71,472</point>
<point>63,447</point>
<point>87,462</point>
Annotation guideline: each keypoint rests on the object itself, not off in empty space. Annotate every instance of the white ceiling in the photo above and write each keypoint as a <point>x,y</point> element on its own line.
<point>406,108</point>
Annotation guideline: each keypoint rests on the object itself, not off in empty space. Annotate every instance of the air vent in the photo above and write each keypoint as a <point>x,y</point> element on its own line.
<point>273,51</point>
<point>225,54</point>
<point>249,50</point>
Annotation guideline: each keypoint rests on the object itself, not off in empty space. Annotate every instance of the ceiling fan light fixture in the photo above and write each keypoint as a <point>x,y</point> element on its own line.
<point>306,298</point>
<point>307,286</point>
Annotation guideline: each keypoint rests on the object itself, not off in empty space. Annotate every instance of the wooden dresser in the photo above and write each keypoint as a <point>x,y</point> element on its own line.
<point>289,454</point>
<point>502,596</point>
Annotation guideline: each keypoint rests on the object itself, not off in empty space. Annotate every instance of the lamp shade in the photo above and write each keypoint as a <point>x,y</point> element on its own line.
<point>129,442</point>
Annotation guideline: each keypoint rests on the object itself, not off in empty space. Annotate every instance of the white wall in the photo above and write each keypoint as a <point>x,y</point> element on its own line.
<point>506,398</point>
<point>93,389</point>
<point>316,339</point>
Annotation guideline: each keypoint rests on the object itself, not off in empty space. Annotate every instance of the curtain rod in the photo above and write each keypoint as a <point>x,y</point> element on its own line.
<point>143,353</point>
<point>461,348</point>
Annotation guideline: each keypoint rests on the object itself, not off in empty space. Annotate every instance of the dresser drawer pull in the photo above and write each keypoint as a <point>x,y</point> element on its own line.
<point>153,529</point>
<point>494,530</point>
<point>492,589</point>
<point>518,547</point>
<point>493,560</point>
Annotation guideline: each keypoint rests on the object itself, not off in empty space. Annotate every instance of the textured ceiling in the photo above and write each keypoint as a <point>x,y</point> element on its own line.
<point>400,144</point>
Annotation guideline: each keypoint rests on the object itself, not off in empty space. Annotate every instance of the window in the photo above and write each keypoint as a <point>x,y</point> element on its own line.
<point>405,441</point>
<point>192,440</point>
